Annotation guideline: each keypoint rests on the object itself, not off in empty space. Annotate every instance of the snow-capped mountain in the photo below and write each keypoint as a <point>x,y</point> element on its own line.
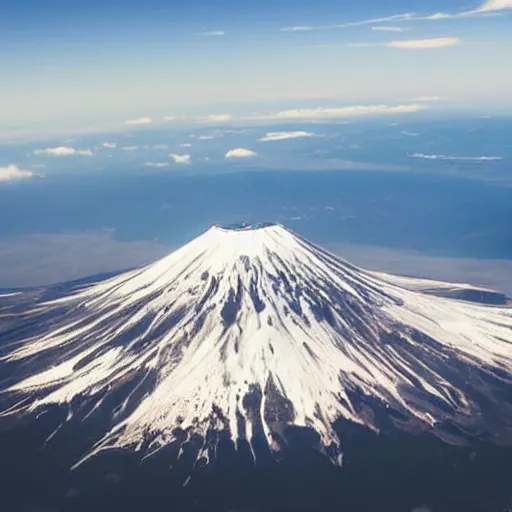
<point>249,330</point>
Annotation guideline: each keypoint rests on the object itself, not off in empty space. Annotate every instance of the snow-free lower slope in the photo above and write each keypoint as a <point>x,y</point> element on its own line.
<point>253,329</point>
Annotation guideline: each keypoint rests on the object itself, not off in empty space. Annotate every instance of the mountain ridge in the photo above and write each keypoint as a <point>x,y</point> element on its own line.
<point>249,330</point>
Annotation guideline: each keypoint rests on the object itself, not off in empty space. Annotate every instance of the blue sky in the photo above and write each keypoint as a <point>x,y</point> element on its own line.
<point>86,65</point>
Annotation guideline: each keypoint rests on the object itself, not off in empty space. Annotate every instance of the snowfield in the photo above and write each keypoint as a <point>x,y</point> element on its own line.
<point>251,329</point>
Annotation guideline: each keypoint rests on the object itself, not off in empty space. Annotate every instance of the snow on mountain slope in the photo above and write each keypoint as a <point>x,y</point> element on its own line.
<point>247,330</point>
<point>455,290</point>
<point>421,284</point>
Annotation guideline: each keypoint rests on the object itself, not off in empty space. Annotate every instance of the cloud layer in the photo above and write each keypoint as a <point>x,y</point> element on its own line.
<point>408,44</point>
<point>457,158</point>
<point>63,151</point>
<point>387,28</point>
<point>341,112</point>
<point>140,121</point>
<point>215,118</point>
<point>157,165</point>
<point>13,172</point>
<point>495,5</point>
<point>422,44</point>
<point>180,159</point>
<point>276,136</point>
<point>239,153</point>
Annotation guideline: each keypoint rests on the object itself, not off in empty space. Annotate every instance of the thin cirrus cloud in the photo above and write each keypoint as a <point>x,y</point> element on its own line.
<point>489,7</point>
<point>140,121</point>
<point>387,28</point>
<point>130,148</point>
<point>240,153</point>
<point>456,158</point>
<point>157,165</point>
<point>424,44</point>
<point>278,136</point>
<point>13,173</point>
<point>63,151</point>
<point>180,159</point>
<point>371,21</point>
<point>300,28</point>
<point>214,118</point>
<point>342,112</point>
<point>109,145</point>
<point>212,33</point>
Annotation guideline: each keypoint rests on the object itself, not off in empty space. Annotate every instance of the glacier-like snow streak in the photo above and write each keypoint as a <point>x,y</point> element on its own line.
<point>247,331</point>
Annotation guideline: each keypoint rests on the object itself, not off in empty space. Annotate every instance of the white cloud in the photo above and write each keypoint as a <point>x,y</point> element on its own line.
<point>240,153</point>
<point>338,112</point>
<point>299,28</point>
<point>387,28</point>
<point>275,136</point>
<point>130,148</point>
<point>185,145</point>
<point>214,135</point>
<point>63,151</point>
<point>215,118</point>
<point>160,146</point>
<point>157,164</point>
<point>140,121</point>
<point>212,33</point>
<point>13,172</point>
<point>457,158</point>
<point>415,44</point>
<point>109,145</point>
<point>180,159</point>
<point>170,118</point>
<point>421,44</point>
<point>494,5</point>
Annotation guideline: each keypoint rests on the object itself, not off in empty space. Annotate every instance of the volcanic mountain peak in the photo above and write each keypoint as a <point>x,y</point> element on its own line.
<point>250,329</point>
<point>246,226</point>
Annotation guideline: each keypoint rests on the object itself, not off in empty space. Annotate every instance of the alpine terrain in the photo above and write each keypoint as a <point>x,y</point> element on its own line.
<point>252,335</point>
